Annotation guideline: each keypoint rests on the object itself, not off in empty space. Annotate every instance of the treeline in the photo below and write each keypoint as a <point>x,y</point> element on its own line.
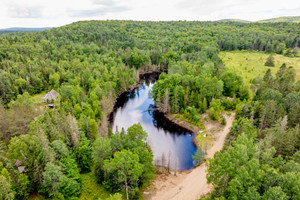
<point>261,157</point>
<point>261,39</point>
<point>28,59</point>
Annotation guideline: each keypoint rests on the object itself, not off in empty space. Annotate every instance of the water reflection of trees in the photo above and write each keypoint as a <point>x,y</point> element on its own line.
<point>166,163</point>
<point>159,121</point>
<point>123,99</point>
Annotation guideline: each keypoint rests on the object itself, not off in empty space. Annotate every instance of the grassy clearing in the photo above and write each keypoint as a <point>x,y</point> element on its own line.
<point>205,140</point>
<point>250,64</point>
<point>91,189</point>
<point>38,97</point>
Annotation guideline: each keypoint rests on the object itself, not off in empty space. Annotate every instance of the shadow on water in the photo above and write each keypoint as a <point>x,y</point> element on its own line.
<point>166,139</point>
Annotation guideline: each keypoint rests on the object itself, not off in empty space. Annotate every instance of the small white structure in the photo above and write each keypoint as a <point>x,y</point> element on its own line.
<point>21,169</point>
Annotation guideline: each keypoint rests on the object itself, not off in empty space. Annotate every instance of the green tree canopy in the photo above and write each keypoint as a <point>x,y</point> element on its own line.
<point>127,166</point>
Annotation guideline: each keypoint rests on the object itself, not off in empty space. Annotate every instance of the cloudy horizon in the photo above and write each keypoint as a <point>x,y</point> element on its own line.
<point>41,13</point>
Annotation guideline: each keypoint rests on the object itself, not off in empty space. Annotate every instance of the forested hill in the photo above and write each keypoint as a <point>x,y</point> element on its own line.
<point>89,63</point>
<point>156,38</point>
<point>21,29</point>
<point>281,19</point>
<point>234,20</point>
<point>27,56</point>
<point>295,19</point>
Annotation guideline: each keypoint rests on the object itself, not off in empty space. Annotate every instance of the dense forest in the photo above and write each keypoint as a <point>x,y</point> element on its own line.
<point>45,151</point>
<point>261,158</point>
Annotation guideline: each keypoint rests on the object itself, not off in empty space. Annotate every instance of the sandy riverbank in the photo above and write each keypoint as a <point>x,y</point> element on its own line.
<point>191,184</point>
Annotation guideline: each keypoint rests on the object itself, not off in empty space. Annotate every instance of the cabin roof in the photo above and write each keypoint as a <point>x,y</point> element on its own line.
<point>18,163</point>
<point>50,96</point>
<point>232,99</point>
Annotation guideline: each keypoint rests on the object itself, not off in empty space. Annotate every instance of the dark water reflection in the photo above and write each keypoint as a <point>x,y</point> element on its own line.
<point>163,137</point>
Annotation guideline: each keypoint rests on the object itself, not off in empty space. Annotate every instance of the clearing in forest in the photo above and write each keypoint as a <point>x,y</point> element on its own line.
<point>250,64</point>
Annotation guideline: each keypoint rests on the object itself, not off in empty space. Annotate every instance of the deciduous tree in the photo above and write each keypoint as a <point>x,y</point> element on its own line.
<point>127,166</point>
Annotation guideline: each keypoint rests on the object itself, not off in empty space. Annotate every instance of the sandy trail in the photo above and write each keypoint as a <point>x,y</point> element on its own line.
<point>192,184</point>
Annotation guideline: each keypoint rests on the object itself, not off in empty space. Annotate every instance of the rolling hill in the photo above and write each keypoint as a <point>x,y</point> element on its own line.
<point>272,20</point>
<point>234,20</point>
<point>22,29</point>
<point>281,19</point>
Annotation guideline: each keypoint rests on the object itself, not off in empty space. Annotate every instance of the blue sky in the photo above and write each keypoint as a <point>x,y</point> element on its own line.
<point>53,13</point>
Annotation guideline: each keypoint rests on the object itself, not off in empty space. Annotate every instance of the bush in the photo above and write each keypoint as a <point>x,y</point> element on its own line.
<point>199,155</point>
<point>289,52</point>
<point>223,121</point>
<point>214,115</point>
<point>270,61</point>
<point>215,109</point>
<point>228,104</point>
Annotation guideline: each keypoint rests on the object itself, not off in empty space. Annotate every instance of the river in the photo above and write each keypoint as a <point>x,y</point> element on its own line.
<point>164,138</point>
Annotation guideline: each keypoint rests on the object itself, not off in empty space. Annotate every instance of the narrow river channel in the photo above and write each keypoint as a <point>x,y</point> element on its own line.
<point>163,137</point>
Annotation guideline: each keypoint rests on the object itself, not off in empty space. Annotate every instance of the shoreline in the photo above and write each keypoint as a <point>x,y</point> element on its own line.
<point>142,77</point>
<point>191,184</point>
<point>108,116</point>
<point>192,128</point>
<point>184,125</point>
<point>138,84</point>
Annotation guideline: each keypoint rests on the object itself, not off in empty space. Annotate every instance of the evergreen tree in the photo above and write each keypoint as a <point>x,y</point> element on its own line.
<point>175,101</point>
<point>270,61</point>
<point>199,155</point>
<point>127,166</point>
<point>294,116</point>
<point>83,154</point>
<point>204,104</point>
<point>6,192</point>
<point>281,71</point>
<point>166,102</point>
<point>268,79</point>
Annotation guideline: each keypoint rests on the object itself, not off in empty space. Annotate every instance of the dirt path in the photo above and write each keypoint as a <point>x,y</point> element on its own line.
<point>192,184</point>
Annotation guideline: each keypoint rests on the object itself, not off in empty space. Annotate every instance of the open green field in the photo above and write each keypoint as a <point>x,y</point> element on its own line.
<point>250,64</point>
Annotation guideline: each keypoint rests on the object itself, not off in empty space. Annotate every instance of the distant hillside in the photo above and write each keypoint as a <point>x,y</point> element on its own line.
<point>272,20</point>
<point>20,29</point>
<point>234,20</point>
<point>281,19</point>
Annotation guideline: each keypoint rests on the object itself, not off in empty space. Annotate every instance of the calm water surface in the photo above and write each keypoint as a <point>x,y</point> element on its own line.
<point>163,137</point>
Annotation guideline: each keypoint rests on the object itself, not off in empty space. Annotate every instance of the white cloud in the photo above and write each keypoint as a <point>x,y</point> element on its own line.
<point>16,10</point>
<point>100,8</point>
<point>106,2</point>
<point>101,11</point>
<point>44,13</point>
<point>241,9</point>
